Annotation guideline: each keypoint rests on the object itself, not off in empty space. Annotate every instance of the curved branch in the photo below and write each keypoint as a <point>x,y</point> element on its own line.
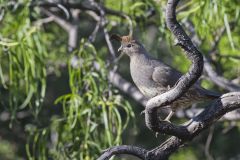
<point>185,82</point>
<point>226,103</point>
<point>132,150</point>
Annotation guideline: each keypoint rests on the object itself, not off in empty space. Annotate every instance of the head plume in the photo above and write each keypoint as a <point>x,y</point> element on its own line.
<point>123,39</point>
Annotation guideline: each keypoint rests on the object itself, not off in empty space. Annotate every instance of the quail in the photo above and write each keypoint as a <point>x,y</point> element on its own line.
<point>153,77</point>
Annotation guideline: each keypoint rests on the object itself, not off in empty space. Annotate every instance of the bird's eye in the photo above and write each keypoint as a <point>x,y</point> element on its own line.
<point>129,45</point>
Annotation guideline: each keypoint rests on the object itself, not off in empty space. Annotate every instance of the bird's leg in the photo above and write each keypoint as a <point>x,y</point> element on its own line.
<point>157,134</point>
<point>169,116</point>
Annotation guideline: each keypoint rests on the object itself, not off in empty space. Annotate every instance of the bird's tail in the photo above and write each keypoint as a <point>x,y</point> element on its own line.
<point>210,94</point>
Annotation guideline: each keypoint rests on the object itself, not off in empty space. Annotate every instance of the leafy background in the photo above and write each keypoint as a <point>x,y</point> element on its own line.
<point>57,104</point>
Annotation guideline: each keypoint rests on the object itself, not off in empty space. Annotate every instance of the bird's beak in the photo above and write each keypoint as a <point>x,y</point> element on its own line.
<point>120,48</point>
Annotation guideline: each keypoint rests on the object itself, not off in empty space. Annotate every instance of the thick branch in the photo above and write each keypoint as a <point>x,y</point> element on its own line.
<point>132,150</point>
<point>226,103</point>
<point>185,82</point>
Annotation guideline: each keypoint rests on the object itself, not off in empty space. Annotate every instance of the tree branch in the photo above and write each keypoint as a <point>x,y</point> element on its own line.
<point>126,87</point>
<point>185,82</point>
<point>219,80</point>
<point>136,151</point>
<point>212,74</point>
<point>70,28</point>
<point>226,103</point>
<point>186,132</point>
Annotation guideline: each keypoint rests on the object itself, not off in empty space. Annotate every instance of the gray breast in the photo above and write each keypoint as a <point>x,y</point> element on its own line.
<point>141,73</point>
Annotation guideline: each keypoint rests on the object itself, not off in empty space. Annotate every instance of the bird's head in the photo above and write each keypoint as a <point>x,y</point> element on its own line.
<point>128,46</point>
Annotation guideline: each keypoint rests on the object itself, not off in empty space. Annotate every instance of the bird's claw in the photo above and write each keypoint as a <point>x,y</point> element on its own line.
<point>166,120</point>
<point>156,134</point>
<point>176,42</point>
<point>168,87</point>
<point>143,112</point>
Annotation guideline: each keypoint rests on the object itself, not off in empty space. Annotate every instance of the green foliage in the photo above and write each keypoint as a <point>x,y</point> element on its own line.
<point>186,154</point>
<point>93,113</point>
<point>22,68</point>
<point>7,150</point>
<point>91,119</point>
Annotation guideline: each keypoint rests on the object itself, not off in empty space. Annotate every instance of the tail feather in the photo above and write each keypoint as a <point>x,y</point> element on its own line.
<point>209,94</point>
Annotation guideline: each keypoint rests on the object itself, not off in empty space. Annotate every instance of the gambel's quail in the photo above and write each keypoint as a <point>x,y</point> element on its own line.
<point>153,77</point>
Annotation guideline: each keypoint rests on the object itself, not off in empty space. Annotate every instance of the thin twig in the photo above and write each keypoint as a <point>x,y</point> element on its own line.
<point>208,143</point>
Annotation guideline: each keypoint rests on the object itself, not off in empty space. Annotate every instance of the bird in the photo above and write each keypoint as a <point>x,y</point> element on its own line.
<point>154,77</point>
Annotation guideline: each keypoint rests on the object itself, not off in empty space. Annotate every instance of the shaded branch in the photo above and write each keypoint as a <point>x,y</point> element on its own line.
<point>212,74</point>
<point>229,56</point>
<point>126,87</point>
<point>219,80</point>
<point>68,5</point>
<point>70,28</point>
<point>208,143</point>
<point>226,103</point>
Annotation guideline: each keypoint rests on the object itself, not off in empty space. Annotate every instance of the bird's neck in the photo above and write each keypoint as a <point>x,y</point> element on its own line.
<point>140,58</point>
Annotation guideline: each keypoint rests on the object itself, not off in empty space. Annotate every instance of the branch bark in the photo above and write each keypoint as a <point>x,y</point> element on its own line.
<point>226,103</point>
<point>185,82</point>
<point>186,132</point>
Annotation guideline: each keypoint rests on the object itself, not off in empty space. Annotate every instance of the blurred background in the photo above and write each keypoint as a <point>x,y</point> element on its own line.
<point>64,95</point>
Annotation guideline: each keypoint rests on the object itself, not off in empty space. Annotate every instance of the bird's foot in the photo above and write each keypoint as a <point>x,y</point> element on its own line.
<point>143,112</point>
<point>157,134</point>
<point>166,120</point>
<point>168,87</point>
<point>176,42</point>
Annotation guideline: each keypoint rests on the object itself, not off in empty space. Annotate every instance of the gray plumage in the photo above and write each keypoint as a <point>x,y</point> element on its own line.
<point>153,77</point>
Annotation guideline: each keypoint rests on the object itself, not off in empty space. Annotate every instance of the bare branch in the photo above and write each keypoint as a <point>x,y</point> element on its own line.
<point>71,29</point>
<point>74,5</point>
<point>212,74</point>
<point>208,143</point>
<point>126,87</point>
<point>219,80</point>
<point>228,56</point>
<point>226,103</point>
<point>60,21</point>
